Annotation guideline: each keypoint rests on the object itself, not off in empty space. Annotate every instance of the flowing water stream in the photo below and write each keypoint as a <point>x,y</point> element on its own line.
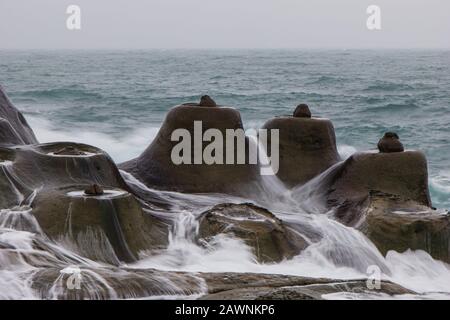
<point>336,251</point>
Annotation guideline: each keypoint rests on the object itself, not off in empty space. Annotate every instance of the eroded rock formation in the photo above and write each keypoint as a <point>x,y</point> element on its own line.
<point>269,238</point>
<point>137,283</point>
<point>345,188</point>
<point>307,146</point>
<point>109,226</point>
<point>392,222</point>
<point>156,168</point>
<point>14,129</point>
<point>404,174</point>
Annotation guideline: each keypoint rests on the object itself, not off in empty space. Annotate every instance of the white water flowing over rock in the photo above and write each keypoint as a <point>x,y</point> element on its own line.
<point>341,253</point>
<point>335,251</point>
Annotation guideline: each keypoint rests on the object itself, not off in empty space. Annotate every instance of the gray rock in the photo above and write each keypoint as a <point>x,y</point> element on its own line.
<point>139,283</point>
<point>307,147</point>
<point>155,168</point>
<point>239,286</point>
<point>269,238</point>
<point>207,101</point>
<point>114,221</point>
<point>14,129</point>
<point>395,223</point>
<point>302,111</point>
<point>390,143</point>
<point>404,174</point>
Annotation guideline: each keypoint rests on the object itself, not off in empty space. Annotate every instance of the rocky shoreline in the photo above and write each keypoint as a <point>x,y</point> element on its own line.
<point>76,194</point>
<point>214,286</point>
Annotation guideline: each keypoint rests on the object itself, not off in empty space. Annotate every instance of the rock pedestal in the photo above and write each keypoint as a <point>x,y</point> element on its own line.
<point>307,147</point>
<point>111,227</point>
<point>43,166</point>
<point>156,168</point>
<point>401,173</point>
<point>79,196</point>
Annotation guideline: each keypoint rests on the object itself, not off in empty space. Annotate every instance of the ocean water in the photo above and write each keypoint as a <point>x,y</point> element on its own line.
<point>116,100</point>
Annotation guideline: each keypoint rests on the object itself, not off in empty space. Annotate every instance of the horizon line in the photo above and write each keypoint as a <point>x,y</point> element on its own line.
<point>224,48</point>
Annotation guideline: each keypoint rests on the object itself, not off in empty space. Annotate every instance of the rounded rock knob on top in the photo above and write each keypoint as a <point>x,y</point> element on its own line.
<point>302,111</point>
<point>94,190</point>
<point>207,101</point>
<point>390,142</point>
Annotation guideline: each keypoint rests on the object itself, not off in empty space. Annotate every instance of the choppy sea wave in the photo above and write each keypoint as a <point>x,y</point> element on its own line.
<point>63,93</point>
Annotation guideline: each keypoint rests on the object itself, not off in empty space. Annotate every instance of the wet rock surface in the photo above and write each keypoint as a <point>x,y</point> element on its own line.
<point>109,229</point>
<point>35,167</point>
<point>68,199</point>
<point>395,223</point>
<point>9,193</point>
<point>348,186</point>
<point>14,129</point>
<point>137,283</point>
<point>69,151</point>
<point>122,283</point>
<point>307,147</point>
<point>273,287</point>
<point>269,238</point>
<point>156,168</point>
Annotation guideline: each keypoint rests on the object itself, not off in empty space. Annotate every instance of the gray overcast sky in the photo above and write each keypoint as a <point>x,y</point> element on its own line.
<point>129,24</point>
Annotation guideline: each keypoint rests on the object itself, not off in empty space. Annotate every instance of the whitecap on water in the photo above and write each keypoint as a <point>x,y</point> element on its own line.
<point>440,189</point>
<point>121,148</point>
<point>345,151</point>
